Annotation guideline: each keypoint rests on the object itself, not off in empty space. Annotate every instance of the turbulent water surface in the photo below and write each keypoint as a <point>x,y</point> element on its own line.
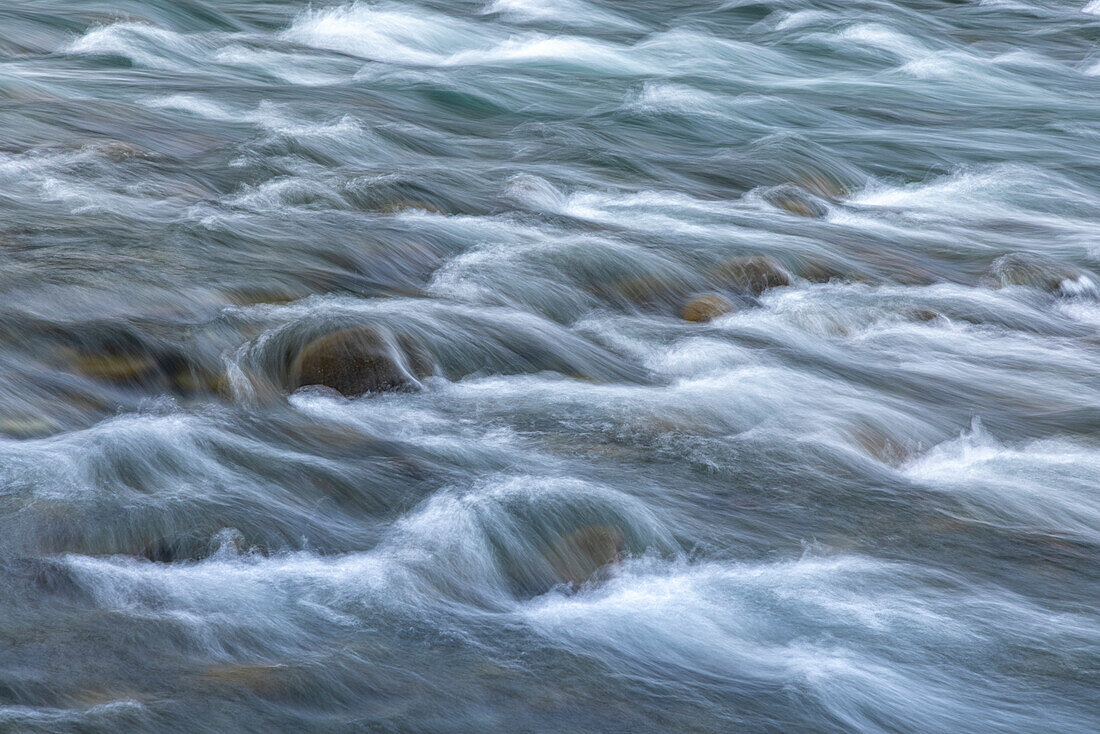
<point>855,488</point>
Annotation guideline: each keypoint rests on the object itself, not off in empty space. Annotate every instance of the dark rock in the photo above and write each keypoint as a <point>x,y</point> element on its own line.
<point>360,360</point>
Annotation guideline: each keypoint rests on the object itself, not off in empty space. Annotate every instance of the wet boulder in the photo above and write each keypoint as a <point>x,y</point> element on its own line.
<point>585,554</point>
<point>882,445</point>
<point>115,366</point>
<point>926,316</point>
<point>754,274</point>
<point>360,360</point>
<point>796,200</point>
<point>1039,272</point>
<point>825,185</point>
<point>270,680</point>
<point>126,357</point>
<point>705,307</point>
<point>647,291</point>
<point>826,271</point>
<point>409,205</point>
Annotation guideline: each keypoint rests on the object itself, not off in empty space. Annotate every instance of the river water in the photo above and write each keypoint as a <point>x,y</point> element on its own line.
<point>863,499</point>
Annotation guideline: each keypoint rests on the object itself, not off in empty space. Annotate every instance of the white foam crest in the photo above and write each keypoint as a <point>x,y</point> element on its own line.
<point>144,44</point>
<point>69,460</point>
<point>1081,311</point>
<point>647,211</point>
<point>112,715</point>
<point>197,105</point>
<point>273,117</point>
<point>1007,190</point>
<point>979,76</point>
<point>727,393</point>
<point>727,618</point>
<point>289,191</point>
<point>801,18</point>
<point>668,97</point>
<point>1093,8</point>
<point>50,175</point>
<point>1082,285</point>
<point>530,267</point>
<point>881,37</point>
<point>390,34</point>
<point>293,68</point>
<point>574,13</point>
<point>845,630</point>
<point>943,65</point>
<point>686,51</point>
<point>1046,485</point>
<point>561,50</point>
<point>447,551</point>
<point>88,198</point>
<point>282,598</point>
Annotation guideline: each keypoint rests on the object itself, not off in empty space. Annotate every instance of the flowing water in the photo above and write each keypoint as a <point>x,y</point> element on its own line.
<point>866,498</point>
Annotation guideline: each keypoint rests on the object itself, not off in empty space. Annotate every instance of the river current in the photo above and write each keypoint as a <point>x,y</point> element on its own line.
<point>744,366</point>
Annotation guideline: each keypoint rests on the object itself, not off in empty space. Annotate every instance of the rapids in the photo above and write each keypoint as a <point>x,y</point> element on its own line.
<point>857,489</point>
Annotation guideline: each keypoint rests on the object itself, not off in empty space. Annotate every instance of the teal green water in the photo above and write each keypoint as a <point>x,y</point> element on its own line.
<point>863,499</point>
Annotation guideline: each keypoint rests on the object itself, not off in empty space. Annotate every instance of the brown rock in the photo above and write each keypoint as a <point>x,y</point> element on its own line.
<point>643,290</point>
<point>261,679</point>
<point>797,201</point>
<point>705,307</point>
<point>824,186</point>
<point>1035,271</point>
<point>754,274</point>
<point>817,271</point>
<point>401,205</point>
<point>926,315</point>
<point>116,367</point>
<point>581,555</point>
<point>359,360</point>
<point>882,446</point>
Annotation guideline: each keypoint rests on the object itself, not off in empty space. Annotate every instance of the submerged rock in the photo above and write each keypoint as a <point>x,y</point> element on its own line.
<point>824,185</point>
<point>881,445</point>
<point>115,367</point>
<point>128,360</point>
<point>360,360</point>
<point>706,307</point>
<point>644,290</point>
<point>263,679</point>
<point>402,205</point>
<point>796,200</point>
<point>26,427</point>
<point>926,315</point>
<point>580,556</point>
<point>754,274</point>
<point>1040,272</point>
<point>820,271</point>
